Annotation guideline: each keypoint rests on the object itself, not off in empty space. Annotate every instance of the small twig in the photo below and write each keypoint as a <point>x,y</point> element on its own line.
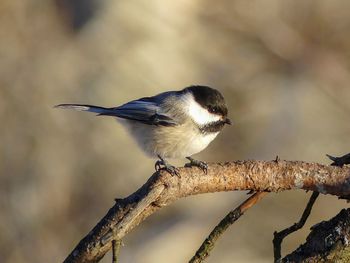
<point>339,161</point>
<point>208,244</point>
<point>328,241</point>
<point>115,250</point>
<point>279,236</point>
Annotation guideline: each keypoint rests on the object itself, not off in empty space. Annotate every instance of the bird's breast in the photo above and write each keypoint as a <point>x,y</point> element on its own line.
<point>169,142</point>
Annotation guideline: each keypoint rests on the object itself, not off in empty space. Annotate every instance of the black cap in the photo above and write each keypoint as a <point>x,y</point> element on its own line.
<point>209,98</point>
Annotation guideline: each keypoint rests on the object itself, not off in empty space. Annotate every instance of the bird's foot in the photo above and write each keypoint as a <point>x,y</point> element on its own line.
<point>162,164</point>
<point>193,162</point>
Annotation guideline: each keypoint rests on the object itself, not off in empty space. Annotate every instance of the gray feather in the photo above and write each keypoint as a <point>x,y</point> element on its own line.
<point>145,110</point>
<point>83,107</point>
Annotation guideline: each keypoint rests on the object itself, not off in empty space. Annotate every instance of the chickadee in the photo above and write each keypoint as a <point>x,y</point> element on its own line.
<point>172,124</point>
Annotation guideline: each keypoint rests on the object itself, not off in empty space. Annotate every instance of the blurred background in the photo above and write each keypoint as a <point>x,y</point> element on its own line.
<point>283,66</point>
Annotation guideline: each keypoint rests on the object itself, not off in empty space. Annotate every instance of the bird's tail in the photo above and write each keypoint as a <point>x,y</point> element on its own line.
<point>84,107</point>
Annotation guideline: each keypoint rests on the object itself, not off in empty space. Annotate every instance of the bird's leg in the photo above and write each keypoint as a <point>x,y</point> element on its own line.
<point>200,164</point>
<point>162,164</point>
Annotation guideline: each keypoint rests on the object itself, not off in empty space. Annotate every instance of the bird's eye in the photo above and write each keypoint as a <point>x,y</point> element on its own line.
<point>212,109</point>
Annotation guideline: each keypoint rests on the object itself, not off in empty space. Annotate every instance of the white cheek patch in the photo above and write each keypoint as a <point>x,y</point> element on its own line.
<point>200,115</point>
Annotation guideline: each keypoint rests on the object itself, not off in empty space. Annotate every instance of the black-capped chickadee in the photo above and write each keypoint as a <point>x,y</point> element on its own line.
<point>172,124</point>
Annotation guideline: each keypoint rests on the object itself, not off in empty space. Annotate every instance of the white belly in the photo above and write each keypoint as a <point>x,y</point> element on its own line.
<point>169,142</point>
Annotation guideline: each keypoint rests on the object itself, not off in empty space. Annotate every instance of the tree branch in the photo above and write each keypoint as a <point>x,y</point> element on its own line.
<point>162,189</point>
<point>115,250</point>
<point>328,241</point>
<point>279,236</point>
<point>209,243</point>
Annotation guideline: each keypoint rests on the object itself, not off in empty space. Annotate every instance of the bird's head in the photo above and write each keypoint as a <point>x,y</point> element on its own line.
<point>206,105</point>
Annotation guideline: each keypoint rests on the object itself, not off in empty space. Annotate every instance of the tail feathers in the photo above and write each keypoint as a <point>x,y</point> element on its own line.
<point>84,107</point>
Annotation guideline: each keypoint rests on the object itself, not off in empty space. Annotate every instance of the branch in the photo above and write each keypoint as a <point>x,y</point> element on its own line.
<point>327,242</point>
<point>279,236</point>
<point>115,250</point>
<point>162,189</point>
<point>339,161</point>
<point>229,219</point>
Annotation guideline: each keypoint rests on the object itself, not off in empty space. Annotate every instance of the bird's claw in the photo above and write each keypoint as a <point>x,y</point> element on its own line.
<point>172,170</point>
<point>163,165</point>
<point>158,165</point>
<point>202,165</point>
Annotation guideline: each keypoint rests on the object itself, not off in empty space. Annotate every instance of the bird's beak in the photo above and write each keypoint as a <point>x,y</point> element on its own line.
<point>228,121</point>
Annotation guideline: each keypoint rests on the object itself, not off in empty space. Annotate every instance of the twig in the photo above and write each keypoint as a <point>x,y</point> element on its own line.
<point>328,241</point>
<point>209,243</point>
<point>279,236</point>
<point>115,250</point>
<point>339,161</point>
<point>163,189</point>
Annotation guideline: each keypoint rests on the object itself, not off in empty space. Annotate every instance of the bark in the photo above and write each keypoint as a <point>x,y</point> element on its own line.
<point>162,189</point>
<point>279,236</point>
<point>327,242</point>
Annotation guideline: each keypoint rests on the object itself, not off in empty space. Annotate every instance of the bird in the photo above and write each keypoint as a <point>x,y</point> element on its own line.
<point>172,124</point>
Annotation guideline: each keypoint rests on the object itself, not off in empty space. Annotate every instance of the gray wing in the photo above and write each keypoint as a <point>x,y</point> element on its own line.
<point>146,110</point>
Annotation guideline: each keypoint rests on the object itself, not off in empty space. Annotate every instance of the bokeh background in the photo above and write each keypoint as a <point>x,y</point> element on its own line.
<point>283,66</point>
